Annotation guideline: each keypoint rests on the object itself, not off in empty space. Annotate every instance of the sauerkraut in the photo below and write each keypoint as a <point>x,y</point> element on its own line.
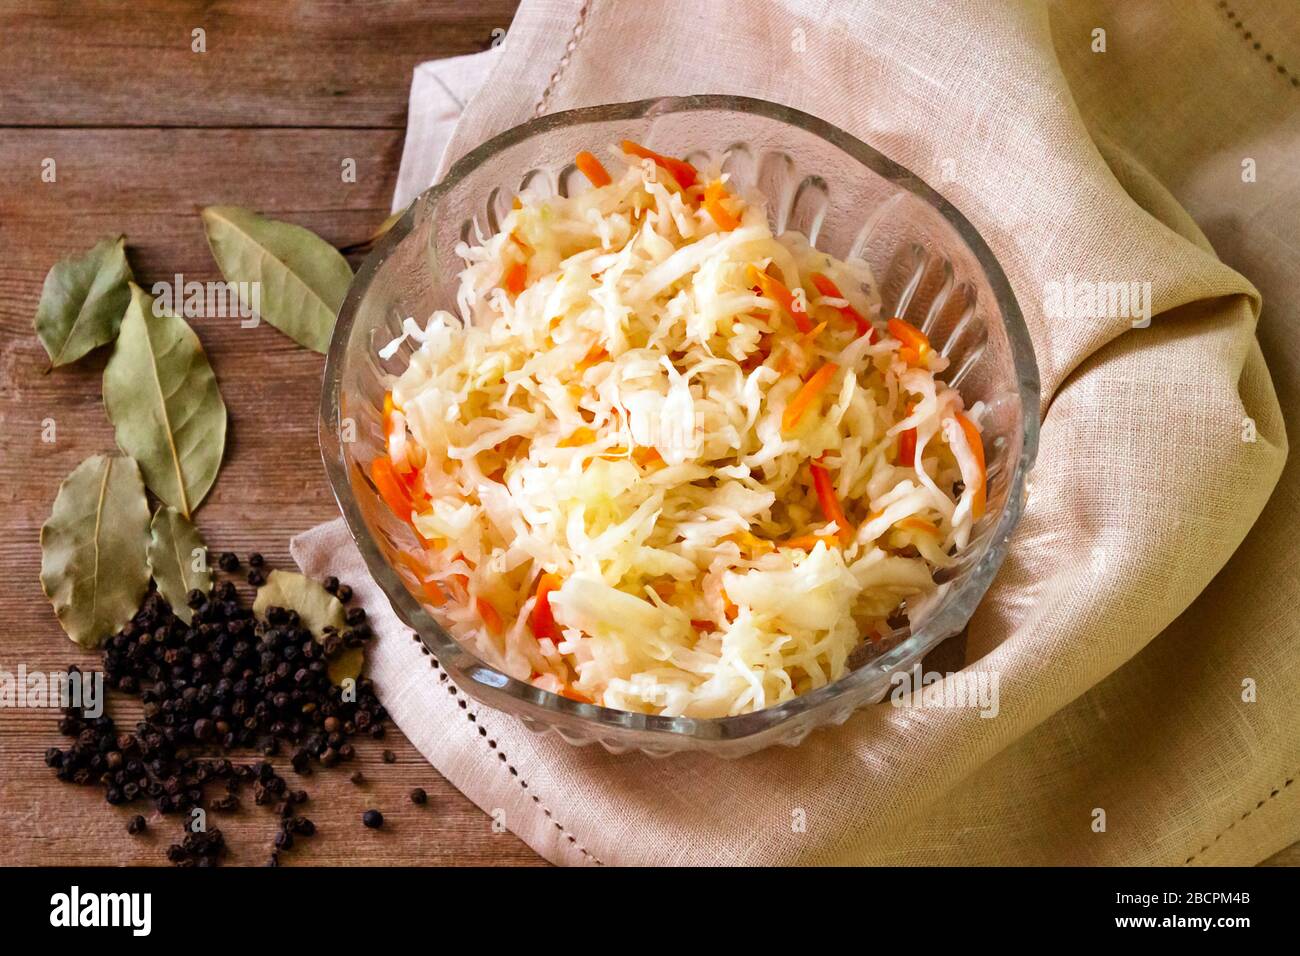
<point>666,461</point>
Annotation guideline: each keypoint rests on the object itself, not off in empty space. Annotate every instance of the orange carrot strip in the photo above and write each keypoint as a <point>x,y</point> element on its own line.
<point>683,172</point>
<point>714,194</point>
<point>543,618</point>
<point>592,169</point>
<point>516,278</point>
<point>776,290</point>
<point>977,449</point>
<point>907,448</point>
<point>595,356</point>
<point>582,436</point>
<point>916,347</point>
<point>490,616</point>
<point>826,497</point>
<point>730,608</point>
<point>648,458</point>
<point>828,288</point>
<point>915,523</point>
<point>807,394</point>
<point>391,488</point>
<point>907,444</point>
<point>432,592</point>
<point>806,542</point>
<point>752,542</point>
<point>569,692</point>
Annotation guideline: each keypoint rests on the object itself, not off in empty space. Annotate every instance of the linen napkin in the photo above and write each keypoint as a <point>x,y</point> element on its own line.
<point>1147,708</point>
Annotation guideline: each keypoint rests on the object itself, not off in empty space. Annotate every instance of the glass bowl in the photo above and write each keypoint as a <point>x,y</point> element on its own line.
<point>932,267</point>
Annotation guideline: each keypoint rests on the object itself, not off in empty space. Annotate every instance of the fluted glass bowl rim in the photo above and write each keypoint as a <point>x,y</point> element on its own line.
<point>543,705</point>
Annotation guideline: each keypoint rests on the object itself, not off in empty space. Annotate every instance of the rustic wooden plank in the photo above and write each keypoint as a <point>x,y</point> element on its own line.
<point>149,184</point>
<point>324,64</point>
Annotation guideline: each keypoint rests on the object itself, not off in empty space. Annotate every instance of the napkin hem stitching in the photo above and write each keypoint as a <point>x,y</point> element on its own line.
<point>1259,806</point>
<point>560,67</point>
<point>472,717</point>
<point>1268,56</point>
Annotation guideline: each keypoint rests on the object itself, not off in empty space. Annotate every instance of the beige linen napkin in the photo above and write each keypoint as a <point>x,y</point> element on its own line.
<point>1139,723</point>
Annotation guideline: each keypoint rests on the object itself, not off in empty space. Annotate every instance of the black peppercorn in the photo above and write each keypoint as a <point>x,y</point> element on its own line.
<point>390,757</point>
<point>344,593</point>
<point>418,796</point>
<point>373,819</point>
<point>136,825</point>
<point>228,561</point>
<point>223,680</point>
<point>256,560</point>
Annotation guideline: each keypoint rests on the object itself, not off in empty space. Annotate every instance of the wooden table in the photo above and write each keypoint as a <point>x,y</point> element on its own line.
<point>144,131</point>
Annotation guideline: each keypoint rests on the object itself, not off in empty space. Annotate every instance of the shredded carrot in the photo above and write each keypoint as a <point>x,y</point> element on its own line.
<point>592,169</point>
<point>807,394</point>
<point>515,278</point>
<point>776,290</point>
<point>916,347</point>
<point>916,523</point>
<point>593,357</point>
<point>826,497</point>
<point>516,203</point>
<point>682,171</point>
<point>543,619</point>
<point>569,692</point>
<point>714,194</point>
<point>491,619</point>
<point>977,449</point>
<point>649,458</point>
<point>582,436</point>
<point>432,592</point>
<point>391,488</point>
<point>806,542</point>
<point>828,288</point>
<point>389,409</point>
<point>752,542</point>
<point>907,448</point>
<point>729,606</point>
<point>907,444</point>
<point>702,625</point>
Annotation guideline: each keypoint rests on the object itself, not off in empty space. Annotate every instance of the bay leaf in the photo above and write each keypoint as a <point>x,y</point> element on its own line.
<point>317,609</point>
<point>301,278</point>
<point>83,300</point>
<point>163,401</point>
<point>178,559</point>
<point>94,568</point>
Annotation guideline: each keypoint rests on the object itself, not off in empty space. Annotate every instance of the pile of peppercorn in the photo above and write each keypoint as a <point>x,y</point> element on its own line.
<point>222,682</point>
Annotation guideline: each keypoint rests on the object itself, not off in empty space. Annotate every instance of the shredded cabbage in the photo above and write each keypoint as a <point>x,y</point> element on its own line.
<point>610,457</point>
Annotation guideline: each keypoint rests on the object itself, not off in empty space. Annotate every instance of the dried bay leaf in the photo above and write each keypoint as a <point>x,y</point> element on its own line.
<point>163,401</point>
<point>94,568</point>
<point>301,278</point>
<point>83,301</point>
<point>178,559</point>
<point>317,609</point>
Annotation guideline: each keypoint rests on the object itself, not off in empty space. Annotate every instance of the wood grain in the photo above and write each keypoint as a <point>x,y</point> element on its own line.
<point>326,63</point>
<point>102,77</point>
